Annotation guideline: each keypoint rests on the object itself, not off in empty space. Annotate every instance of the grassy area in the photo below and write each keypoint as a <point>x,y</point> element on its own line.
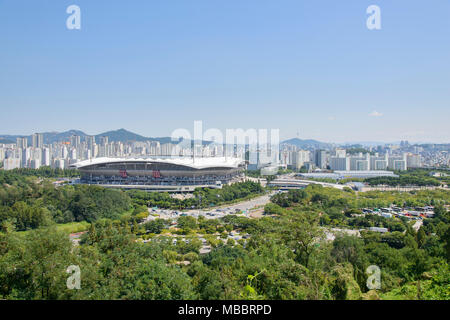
<point>73,227</point>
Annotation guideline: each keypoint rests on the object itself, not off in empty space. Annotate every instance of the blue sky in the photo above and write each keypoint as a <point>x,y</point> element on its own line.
<point>309,67</point>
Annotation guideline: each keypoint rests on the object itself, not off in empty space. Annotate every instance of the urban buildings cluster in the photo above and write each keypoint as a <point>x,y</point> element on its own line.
<point>392,157</point>
<point>33,152</point>
<point>63,154</point>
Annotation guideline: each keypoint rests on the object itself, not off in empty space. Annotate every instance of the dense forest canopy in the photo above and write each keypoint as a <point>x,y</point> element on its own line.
<point>283,255</point>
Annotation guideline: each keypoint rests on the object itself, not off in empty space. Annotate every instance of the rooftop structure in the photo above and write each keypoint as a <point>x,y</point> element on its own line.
<point>338,175</point>
<point>172,174</point>
<point>197,163</point>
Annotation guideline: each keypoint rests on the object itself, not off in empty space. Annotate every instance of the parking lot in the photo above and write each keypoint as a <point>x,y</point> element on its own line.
<point>245,207</point>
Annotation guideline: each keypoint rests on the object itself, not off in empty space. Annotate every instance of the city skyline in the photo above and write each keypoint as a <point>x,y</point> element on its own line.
<point>156,137</point>
<point>66,149</point>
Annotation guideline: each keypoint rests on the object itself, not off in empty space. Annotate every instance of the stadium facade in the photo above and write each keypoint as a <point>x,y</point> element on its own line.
<point>173,174</point>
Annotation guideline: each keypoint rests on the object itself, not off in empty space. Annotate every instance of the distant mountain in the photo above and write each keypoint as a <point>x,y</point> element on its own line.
<point>124,136</point>
<point>367,143</point>
<point>307,144</point>
<point>50,137</point>
<point>9,137</point>
<point>7,141</point>
<point>121,135</point>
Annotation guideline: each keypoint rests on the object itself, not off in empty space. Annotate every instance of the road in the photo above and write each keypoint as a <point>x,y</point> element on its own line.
<point>249,204</point>
<point>252,207</point>
<point>331,233</point>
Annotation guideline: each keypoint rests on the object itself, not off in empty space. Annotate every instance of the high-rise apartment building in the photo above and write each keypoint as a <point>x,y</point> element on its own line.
<point>22,143</point>
<point>104,141</point>
<point>398,162</point>
<point>360,162</point>
<point>75,141</point>
<point>320,159</point>
<point>413,161</point>
<point>299,159</point>
<point>37,140</point>
<point>46,161</point>
<point>340,163</point>
<point>90,141</point>
<point>11,163</point>
<point>378,162</point>
<point>340,153</point>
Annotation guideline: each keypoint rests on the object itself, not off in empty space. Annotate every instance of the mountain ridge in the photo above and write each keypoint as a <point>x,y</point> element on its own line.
<point>307,143</point>
<point>121,135</point>
<point>124,135</point>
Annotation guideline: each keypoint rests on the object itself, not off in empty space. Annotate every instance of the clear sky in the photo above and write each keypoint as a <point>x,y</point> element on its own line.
<point>304,66</point>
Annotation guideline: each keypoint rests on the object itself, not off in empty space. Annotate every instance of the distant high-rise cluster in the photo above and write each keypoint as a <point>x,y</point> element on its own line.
<point>392,157</point>
<point>34,152</point>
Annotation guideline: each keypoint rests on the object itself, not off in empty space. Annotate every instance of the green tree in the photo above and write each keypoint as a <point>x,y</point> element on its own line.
<point>301,232</point>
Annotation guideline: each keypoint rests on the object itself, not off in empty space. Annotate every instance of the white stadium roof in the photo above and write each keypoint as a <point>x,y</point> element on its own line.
<point>198,163</point>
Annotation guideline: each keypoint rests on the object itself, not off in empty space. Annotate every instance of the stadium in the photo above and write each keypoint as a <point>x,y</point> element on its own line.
<point>171,175</point>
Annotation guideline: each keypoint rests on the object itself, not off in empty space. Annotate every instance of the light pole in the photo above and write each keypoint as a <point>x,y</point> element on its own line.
<point>200,203</point>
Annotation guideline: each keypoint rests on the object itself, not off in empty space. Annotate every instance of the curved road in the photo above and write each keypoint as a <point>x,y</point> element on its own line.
<point>252,207</point>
